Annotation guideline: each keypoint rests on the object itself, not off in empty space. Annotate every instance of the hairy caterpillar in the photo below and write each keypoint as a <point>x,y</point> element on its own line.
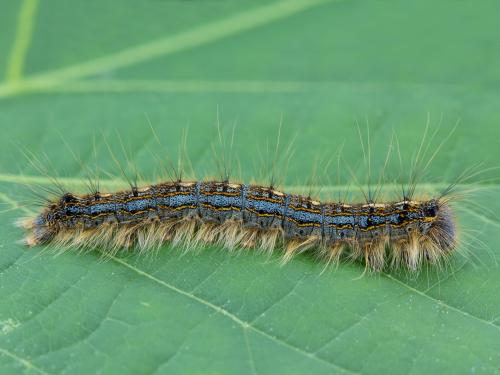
<point>403,233</point>
<point>239,215</point>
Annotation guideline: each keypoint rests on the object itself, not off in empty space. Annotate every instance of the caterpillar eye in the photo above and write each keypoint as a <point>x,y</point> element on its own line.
<point>430,212</point>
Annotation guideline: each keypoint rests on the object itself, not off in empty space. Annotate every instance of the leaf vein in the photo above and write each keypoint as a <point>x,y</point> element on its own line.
<point>229,315</point>
<point>441,303</point>
<point>23,361</point>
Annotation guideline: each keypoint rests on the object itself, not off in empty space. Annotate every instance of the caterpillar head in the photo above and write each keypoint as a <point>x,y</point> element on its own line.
<point>439,225</point>
<point>42,228</point>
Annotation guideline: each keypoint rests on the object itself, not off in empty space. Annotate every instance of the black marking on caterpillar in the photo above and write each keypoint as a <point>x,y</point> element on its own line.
<point>403,233</point>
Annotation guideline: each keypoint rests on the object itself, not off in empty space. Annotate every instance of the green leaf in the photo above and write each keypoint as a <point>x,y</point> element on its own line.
<point>80,73</point>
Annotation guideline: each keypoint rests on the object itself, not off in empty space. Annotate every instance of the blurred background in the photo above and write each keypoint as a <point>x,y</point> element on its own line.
<point>91,69</point>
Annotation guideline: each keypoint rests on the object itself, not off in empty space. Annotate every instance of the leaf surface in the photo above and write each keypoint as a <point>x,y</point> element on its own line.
<point>82,76</point>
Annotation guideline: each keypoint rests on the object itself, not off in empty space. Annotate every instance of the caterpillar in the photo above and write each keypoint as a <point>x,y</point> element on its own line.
<point>235,215</point>
<point>404,233</point>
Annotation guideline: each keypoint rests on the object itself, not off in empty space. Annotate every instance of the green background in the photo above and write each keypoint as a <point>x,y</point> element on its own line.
<point>79,74</point>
